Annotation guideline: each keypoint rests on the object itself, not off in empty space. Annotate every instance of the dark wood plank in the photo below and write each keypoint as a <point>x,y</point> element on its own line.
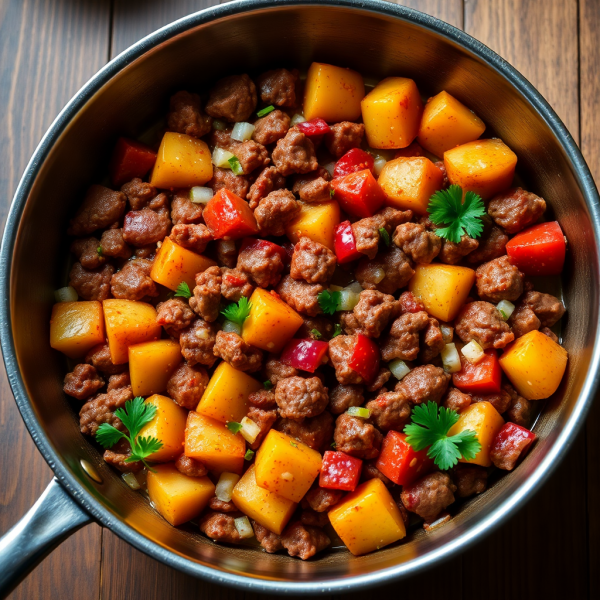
<point>48,49</point>
<point>539,37</point>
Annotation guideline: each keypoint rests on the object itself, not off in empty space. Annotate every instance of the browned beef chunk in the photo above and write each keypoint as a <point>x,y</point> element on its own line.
<point>456,400</point>
<point>183,210</point>
<point>186,115</point>
<point>174,315</point>
<point>91,284</point>
<point>314,519</point>
<point>366,231</point>
<point>482,322</point>
<point>321,499</point>
<point>429,496</point>
<point>225,178</point>
<point>312,262</point>
<point>101,208</point>
<point>235,285</point>
<point>268,181</point>
<point>264,399</point>
<point>432,341</point>
<point>317,190</point>
<point>220,506</point>
<point>370,471</point>
<point>219,527</point>
<point>263,265</point>
<point>133,281</point>
<point>88,252</point>
<point>235,351</point>
<point>275,212</point>
<point>278,87</point>
<point>374,311</point>
<point>113,244</point>
<point>516,209</point>
<point>452,253</point>
<point>356,437</point>
<point>410,303</point>
<point>145,227</point>
<point>275,371</point>
<point>469,480</point>
<point>380,380</point>
<point>192,237</point>
<point>101,409</point>
<point>251,155</point>
<point>206,300</point>
<point>316,328</point>
<point>265,419</point>
<point>499,280</point>
<point>138,193</point>
<point>271,128</point>
<point>270,541</point>
<point>190,466</point>
<point>118,380</point>
<point>395,267</point>
<point>343,137</point>
<point>301,296</point>
<point>303,541</point>
<point>546,307</point>
<point>499,401</point>
<point>424,384</point>
<point>520,410</point>
<point>187,384</point>
<point>197,343</point>
<point>117,457</point>
<point>294,153</point>
<point>299,398</point>
<point>417,243</point>
<point>232,99</point>
<point>403,339</point>
<point>340,352</point>
<point>99,356</point>
<point>315,432</point>
<point>506,455</point>
<point>492,244</point>
<point>82,382</point>
<point>390,410</point>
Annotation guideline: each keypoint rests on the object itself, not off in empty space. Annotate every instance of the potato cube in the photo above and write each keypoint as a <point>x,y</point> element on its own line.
<point>271,323</point>
<point>128,323</point>
<point>368,518</point>
<point>391,113</point>
<point>226,395</point>
<point>317,222</point>
<point>182,162</point>
<point>535,365</point>
<point>285,466</point>
<point>76,327</point>
<point>213,444</point>
<point>265,507</point>
<point>177,497</point>
<point>151,364</point>
<point>332,93</point>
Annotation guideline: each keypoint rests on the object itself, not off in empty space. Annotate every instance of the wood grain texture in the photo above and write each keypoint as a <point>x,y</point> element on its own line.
<point>48,49</point>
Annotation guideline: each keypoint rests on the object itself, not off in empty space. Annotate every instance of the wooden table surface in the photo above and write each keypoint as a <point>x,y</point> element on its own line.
<point>49,48</point>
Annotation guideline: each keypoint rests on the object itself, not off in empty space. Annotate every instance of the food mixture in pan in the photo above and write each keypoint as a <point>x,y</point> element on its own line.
<point>309,311</point>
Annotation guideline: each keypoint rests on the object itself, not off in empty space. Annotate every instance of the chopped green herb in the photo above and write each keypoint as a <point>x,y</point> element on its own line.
<point>504,315</point>
<point>385,236</point>
<point>233,426</point>
<point>249,454</point>
<point>446,207</point>
<point>331,192</point>
<point>183,290</point>
<point>429,428</point>
<point>333,445</point>
<point>134,416</point>
<point>337,330</point>
<point>359,411</point>
<point>328,301</point>
<point>316,333</point>
<point>238,312</point>
<point>267,384</point>
<point>293,444</point>
<point>265,111</point>
<point>235,165</point>
<point>100,251</point>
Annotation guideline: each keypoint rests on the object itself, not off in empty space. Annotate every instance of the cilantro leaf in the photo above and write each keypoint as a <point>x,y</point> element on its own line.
<point>316,333</point>
<point>385,236</point>
<point>99,251</point>
<point>235,165</point>
<point>331,192</point>
<point>328,301</point>
<point>144,446</point>
<point>429,429</point>
<point>265,111</point>
<point>249,454</point>
<point>238,312</point>
<point>267,384</point>
<point>337,330</point>
<point>183,290</point>
<point>234,426</point>
<point>446,207</point>
<point>135,415</point>
<point>107,435</point>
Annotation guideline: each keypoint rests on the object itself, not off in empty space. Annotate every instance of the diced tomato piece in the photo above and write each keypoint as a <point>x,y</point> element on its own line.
<point>229,217</point>
<point>512,442</point>
<point>306,354</point>
<point>130,159</point>
<point>400,462</point>
<point>340,471</point>
<point>255,244</point>
<point>314,127</point>
<point>232,279</point>
<point>365,358</point>
<point>359,194</point>
<point>539,250</point>
<point>411,150</point>
<point>344,243</point>
<point>354,160</point>
<point>289,251</point>
<point>482,378</point>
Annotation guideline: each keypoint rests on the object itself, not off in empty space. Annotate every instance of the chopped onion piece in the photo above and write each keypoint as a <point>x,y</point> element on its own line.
<point>219,125</point>
<point>450,359</point>
<point>231,327</point>
<point>242,131</point>
<point>200,195</point>
<point>377,275</point>
<point>249,430</point>
<point>378,165</point>
<point>359,411</point>
<point>297,119</point>
<point>506,309</point>
<point>66,294</point>
<point>329,168</point>
<point>242,524</point>
<point>348,300</point>
<point>131,481</point>
<point>225,486</point>
<point>399,369</point>
<point>473,352</point>
<point>227,246</point>
<point>221,157</point>
<point>354,287</point>
<point>447,333</point>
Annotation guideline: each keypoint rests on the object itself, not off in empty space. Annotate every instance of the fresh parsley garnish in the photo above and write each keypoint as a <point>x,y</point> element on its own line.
<point>265,111</point>
<point>249,454</point>
<point>100,251</point>
<point>447,208</point>
<point>385,236</point>
<point>183,290</point>
<point>429,428</point>
<point>238,312</point>
<point>293,444</point>
<point>337,330</point>
<point>233,426</point>
<point>328,301</point>
<point>333,445</point>
<point>316,334</point>
<point>267,384</point>
<point>134,416</point>
<point>235,165</point>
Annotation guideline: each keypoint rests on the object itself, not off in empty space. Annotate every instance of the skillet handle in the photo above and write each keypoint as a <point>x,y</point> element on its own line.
<point>52,519</point>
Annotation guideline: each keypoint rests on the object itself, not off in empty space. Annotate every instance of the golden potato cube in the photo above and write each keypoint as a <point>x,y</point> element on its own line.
<point>182,162</point>
<point>368,518</point>
<point>226,395</point>
<point>151,364</point>
<point>443,289</point>
<point>128,323</point>
<point>486,422</point>
<point>213,444</point>
<point>409,183</point>
<point>285,466</point>
<point>535,365</point>
<point>177,497</point>
<point>265,507</point>
<point>76,327</point>
<point>317,222</point>
<point>332,93</point>
<point>391,113</point>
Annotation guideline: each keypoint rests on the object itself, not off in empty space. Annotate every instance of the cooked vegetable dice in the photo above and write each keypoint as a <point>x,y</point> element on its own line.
<point>359,193</point>
<point>481,378</point>
<point>317,222</point>
<point>285,466</point>
<point>76,327</point>
<point>151,364</point>
<point>229,217</point>
<point>340,471</point>
<point>130,159</point>
<point>400,462</point>
<point>177,497</point>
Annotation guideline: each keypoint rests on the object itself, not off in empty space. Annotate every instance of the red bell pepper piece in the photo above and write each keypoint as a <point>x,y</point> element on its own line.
<point>354,160</point>
<point>255,244</point>
<point>411,150</point>
<point>539,250</point>
<point>314,127</point>
<point>365,358</point>
<point>339,471</point>
<point>229,217</point>
<point>400,462</point>
<point>359,194</point>
<point>510,445</point>
<point>482,378</point>
<point>306,355</point>
<point>130,159</point>
<point>344,243</point>
<point>289,251</point>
